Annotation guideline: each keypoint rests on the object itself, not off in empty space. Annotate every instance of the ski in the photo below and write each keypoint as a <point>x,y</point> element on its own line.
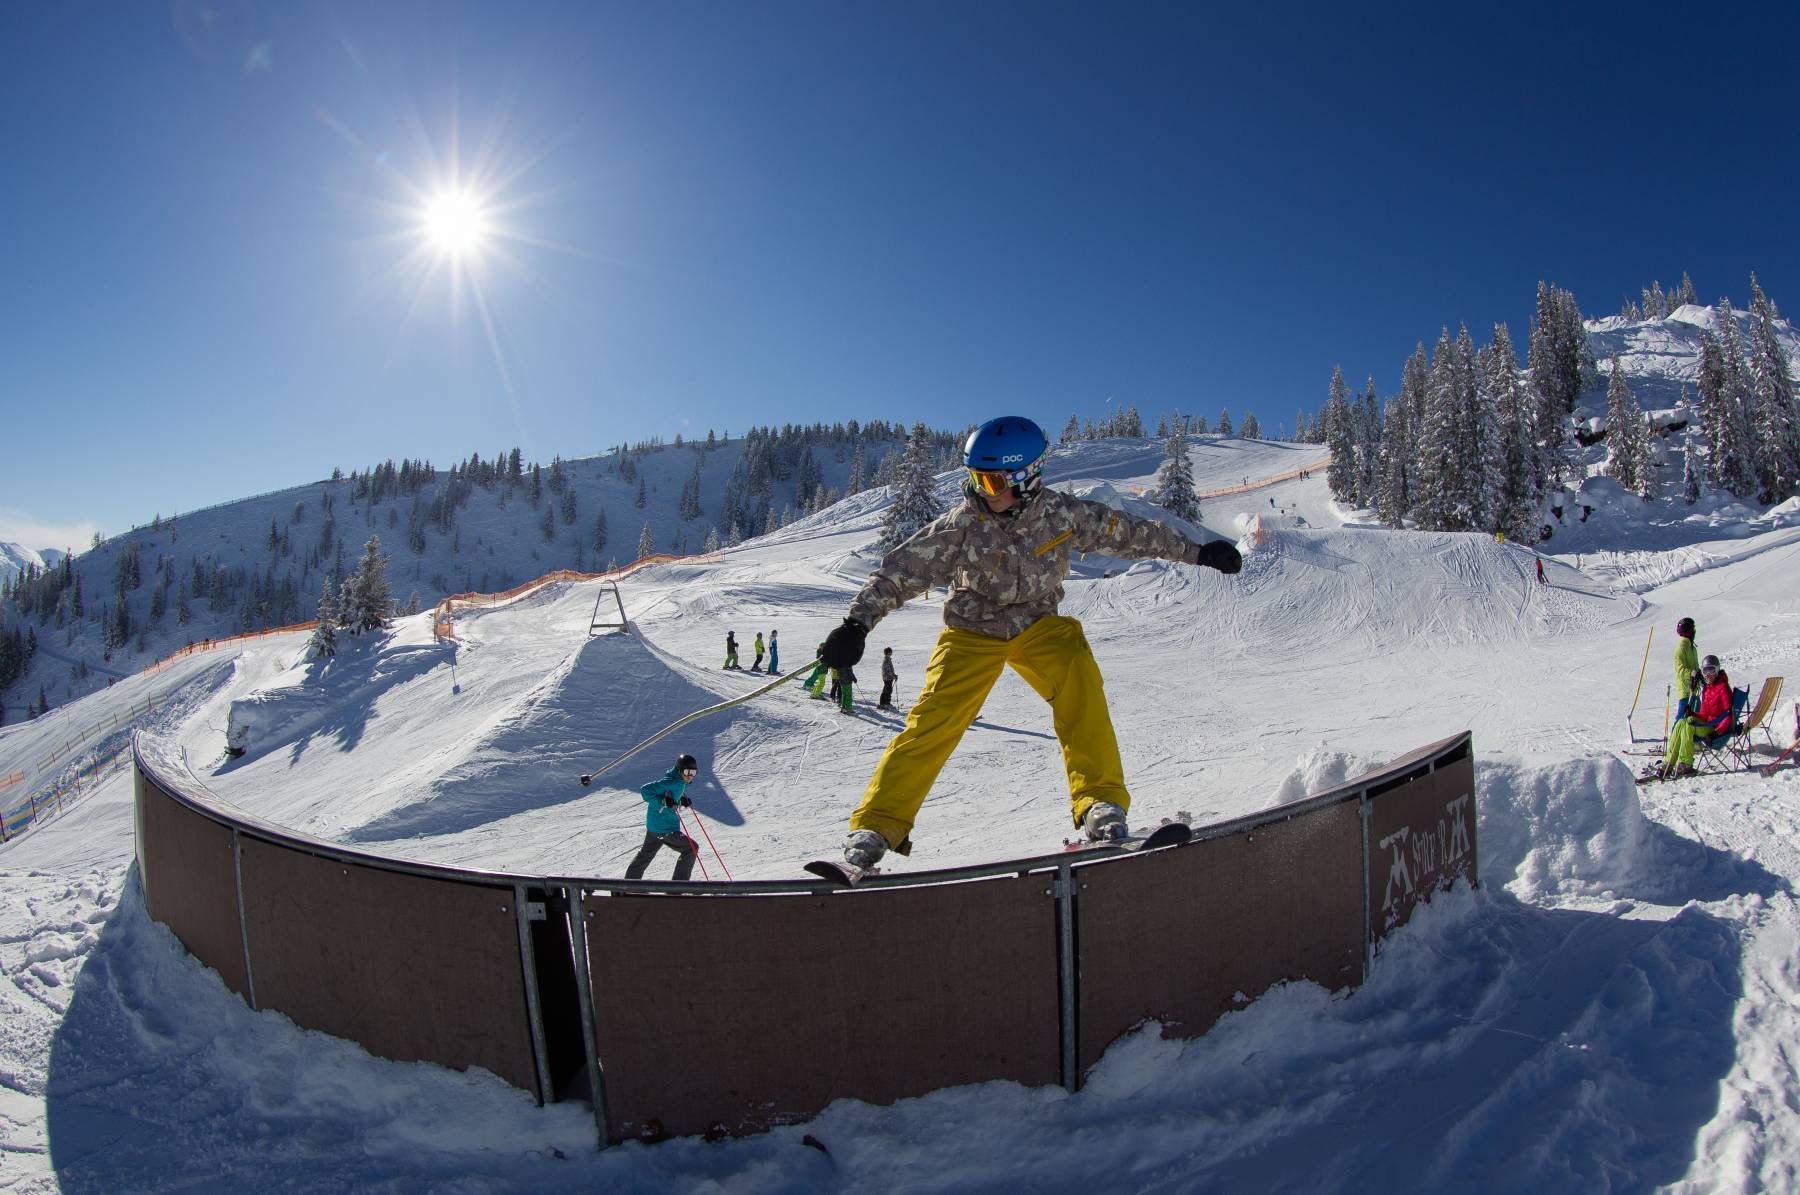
<point>1167,834</point>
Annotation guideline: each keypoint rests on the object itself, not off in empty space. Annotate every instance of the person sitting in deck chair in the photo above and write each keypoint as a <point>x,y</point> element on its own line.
<point>1711,720</point>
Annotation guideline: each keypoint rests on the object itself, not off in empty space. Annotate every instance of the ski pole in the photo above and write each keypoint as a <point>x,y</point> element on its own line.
<point>709,842</point>
<point>702,858</point>
<point>588,777</point>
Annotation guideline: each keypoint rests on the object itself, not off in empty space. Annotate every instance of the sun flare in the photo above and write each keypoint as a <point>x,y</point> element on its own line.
<point>454,223</point>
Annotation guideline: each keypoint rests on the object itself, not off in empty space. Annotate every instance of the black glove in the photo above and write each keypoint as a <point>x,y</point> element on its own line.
<point>668,802</point>
<point>844,646</point>
<point>685,803</point>
<point>1220,555</point>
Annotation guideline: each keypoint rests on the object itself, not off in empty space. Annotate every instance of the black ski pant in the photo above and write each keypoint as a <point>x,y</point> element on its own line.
<point>887,693</point>
<point>676,841</point>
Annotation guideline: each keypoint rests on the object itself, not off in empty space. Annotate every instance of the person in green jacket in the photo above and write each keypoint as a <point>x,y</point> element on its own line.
<point>662,824</point>
<point>1687,669</point>
<point>756,664</point>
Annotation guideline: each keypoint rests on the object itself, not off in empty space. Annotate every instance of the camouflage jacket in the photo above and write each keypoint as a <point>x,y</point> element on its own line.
<point>1006,573</point>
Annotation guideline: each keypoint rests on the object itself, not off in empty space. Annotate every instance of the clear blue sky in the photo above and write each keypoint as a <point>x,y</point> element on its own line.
<point>716,214</point>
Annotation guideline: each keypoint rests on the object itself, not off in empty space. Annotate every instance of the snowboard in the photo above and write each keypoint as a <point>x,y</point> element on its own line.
<point>1165,835</point>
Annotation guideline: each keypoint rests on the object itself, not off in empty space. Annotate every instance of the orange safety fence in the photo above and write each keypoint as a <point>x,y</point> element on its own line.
<point>14,821</point>
<point>209,644</point>
<point>1260,482</point>
<point>443,617</point>
<point>9,781</point>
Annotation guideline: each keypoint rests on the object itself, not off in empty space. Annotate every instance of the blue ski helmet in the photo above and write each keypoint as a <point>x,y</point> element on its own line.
<point>1006,453</point>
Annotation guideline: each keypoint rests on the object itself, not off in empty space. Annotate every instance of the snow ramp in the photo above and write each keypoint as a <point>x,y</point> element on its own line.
<point>609,694</point>
<point>1364,592</point>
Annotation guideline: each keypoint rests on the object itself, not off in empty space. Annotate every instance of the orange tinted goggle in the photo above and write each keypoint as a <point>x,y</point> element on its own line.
<point>994,482</point>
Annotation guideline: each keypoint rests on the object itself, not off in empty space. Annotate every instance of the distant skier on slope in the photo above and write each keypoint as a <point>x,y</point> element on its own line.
<point>1540,571</point>
<point>888,677</point>
<point>731,660</point>
<point>1687,668</point>
<point>774,655</point>
<point>1003,552</point>
<point>844,681</point>
<point>756,664</point>
<point>662,825</point>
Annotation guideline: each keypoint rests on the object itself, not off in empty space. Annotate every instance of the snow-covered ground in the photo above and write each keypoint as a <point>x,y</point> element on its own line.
<point>1612,1010</point>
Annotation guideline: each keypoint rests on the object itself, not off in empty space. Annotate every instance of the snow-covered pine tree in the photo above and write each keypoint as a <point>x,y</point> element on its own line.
<point>1224,422</point>
<point>1174,489</point>
<point>1368,448</point>
<point>646,545</point>
<point>1734,452</point>
<point>1072,430</point>
<point>1687,295</point>
<point>1252,429</point>
<point>1199,426</point>
<point>370,605</point>
<point>914,504</point>
<point>1340,439</point>
<point>598,540</point>
<point>712,541</point>
<point>1623,437</point>
<point>1521,478</point>
<point>1393,498</point>
<point>1773,417</point>
<point>859,470</point>
<point>1487,503</point>
<point>1690,477</point>
<point>1438,485</point>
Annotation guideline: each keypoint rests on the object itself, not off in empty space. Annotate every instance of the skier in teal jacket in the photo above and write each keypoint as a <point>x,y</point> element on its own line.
<point>662,824</point>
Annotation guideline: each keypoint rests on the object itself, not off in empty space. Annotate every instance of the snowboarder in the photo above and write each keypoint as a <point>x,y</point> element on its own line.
<point>662,825</point>
<point>1003,551</point>
<point>1710,720</point>
<point>756,664</point>
<point>774,655</point>
<point>888,677</point>
<point>731,660</point>
<point>1687,668</point>
<point>843,680</point>
<point>1540,570</point>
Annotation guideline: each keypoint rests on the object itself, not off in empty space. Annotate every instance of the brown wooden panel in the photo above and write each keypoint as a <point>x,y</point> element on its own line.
<point>413,968</point>
<point>1421,838</point>
<point>1174,935</point>
<point>755,1012</point>
<point>190,880</point>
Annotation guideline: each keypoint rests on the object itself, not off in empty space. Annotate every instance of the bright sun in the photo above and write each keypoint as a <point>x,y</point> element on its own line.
<point>454,223</point>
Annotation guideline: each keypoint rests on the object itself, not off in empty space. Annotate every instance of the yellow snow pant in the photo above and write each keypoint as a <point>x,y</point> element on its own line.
<point>1681,742</point>
<point>1054,658</point>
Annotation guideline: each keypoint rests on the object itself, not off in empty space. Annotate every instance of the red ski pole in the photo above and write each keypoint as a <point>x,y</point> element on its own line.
<point>709,842</point>
<point>703,872</point>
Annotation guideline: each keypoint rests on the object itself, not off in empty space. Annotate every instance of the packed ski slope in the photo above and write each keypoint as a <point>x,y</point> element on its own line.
<point>1611,1011</point>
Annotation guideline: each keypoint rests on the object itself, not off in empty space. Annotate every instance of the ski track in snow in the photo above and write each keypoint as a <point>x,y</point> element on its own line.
<point>1612,1010</point>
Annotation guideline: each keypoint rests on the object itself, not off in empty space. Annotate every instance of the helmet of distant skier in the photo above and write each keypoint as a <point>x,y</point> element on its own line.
<point>1006,454</point>
<point>1709,664</point>
<point>687,763</point>
<point>1685,628</point>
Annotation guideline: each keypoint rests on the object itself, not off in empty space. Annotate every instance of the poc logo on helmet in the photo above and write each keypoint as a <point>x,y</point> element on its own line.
<point>1014,459</point>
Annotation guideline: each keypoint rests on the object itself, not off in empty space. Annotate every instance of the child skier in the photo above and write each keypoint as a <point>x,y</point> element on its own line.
<point>662,825</point>
<point>815,680</point>
<point>844,679</point>
<point>774,655</point>
<point>1003,552</point>
<point>756,664</point>
<point>731,660</point>
<point>888,677</point>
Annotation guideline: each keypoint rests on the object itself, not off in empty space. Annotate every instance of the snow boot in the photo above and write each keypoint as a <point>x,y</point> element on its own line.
<point>1104,822</point>
<point>863,849</point>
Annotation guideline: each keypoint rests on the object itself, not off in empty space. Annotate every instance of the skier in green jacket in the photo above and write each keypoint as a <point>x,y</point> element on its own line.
<point>1687,669</point>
